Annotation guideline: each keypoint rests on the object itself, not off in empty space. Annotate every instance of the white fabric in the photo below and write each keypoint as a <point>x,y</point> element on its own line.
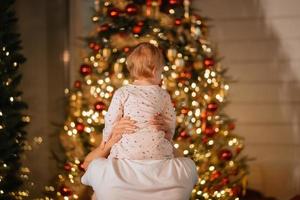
<point>124,179</point>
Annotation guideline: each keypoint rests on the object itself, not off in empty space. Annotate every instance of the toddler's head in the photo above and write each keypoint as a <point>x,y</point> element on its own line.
<point>146,62</point>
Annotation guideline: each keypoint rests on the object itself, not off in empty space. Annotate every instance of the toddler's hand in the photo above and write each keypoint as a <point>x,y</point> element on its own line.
<point>125,124</point>
<point>159,122</point>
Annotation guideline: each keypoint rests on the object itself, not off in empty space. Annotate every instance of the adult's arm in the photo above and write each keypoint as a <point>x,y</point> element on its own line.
<point>125,124</point>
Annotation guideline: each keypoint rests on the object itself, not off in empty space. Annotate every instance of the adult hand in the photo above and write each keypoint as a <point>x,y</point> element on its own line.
<point>124,126</point>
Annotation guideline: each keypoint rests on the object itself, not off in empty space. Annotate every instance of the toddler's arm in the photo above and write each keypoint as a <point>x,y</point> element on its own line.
<point>112,116</point>
<point>125,124</point>
<point>101,151</point>
<point>169,116</point>
<point>114,113</point>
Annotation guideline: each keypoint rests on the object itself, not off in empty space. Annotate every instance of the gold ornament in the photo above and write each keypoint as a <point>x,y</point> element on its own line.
<point>198,64</point>
<point>171,84</point>
<point>186,4</point>
<point>179,62</point>
<point>106,52</point>
<point>214,160</point>
<point>75,104</point>
<point>119,4</point>
<point>118,67</point>
<point>116,81</point>
<point>195,31</point>
<point>102,65</point>
<point>155,8</point>
<point>171,54</point>
<point>193,50</point>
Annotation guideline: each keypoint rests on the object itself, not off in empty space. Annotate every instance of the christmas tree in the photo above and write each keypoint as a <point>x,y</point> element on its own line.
<point>12,120</point>
<point>193,75</point>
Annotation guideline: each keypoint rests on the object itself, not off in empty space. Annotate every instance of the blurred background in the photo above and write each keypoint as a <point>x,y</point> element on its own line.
<point>260,43</point>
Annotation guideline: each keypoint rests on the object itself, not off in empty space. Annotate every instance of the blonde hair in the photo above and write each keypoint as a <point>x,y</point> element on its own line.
<point>144,58</point>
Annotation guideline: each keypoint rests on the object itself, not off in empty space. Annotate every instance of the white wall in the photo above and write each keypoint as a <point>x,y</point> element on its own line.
<point>80,26</point>
<point>260,40</point>
<point>43,27</point>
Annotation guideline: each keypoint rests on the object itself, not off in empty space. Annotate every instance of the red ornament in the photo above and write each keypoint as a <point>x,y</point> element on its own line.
<point>209,131</point>
<point>231,126</point>
<point>214,188</point>
<point>186,74</point>
<point>114,12</point>
<point>208,62</point>
<point>184,110</point>
<point>80,127</point>
<point>92,45</point>
<point>97,47</point>
<point>85,69</point>
<point>238,149</point>
<point>137,29</point>
<point>212,107</point>
<point>225,155</point>
<point>235,190</point>
<point>184,134</point>
<point>177,22</point>
<point>173,2</point>
<point>215,175</point>
<point>67,166</point>
<point>203,116</point>
<point>204,140</point>
<point>103,28</point>
<point>225,181</point>
<point>131,9</point>
<point>77,84</point>
<point>181,80</point>
<point>126,49</point>
<point>99,106</point>
<point>65,191</point>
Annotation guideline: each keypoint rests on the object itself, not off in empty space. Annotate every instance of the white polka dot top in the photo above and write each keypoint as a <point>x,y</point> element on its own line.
<point>140,103</point>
